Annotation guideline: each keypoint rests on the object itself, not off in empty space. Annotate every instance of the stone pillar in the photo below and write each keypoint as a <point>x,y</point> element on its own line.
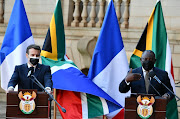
<point>76,14</point>
<point>1,11</point>
<point>92,22</point>
<point>84,14</point>
<point>68,12</point>
<point>118,10</point>
<point>101,13</point>
<point>126,14</point>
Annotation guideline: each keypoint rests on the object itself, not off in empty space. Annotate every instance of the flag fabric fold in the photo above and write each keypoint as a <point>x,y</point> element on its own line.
<point>155,38</point>
<point>80,97</point>
<point>109,64</point>
<point>17,37</point>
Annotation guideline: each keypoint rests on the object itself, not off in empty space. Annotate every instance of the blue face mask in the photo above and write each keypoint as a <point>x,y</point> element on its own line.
<point>148,65</point>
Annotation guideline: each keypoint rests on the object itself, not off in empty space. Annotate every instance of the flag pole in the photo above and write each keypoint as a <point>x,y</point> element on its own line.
<point>55,109</point>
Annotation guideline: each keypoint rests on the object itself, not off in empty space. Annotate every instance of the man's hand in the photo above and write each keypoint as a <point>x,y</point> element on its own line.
<point>166,96</point>
<point>49,90</point>
<point>132,76</point>
<point>10,89</point>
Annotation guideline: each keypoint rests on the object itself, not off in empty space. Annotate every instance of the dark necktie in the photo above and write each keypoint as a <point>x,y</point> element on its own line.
<point>147,81</point>
<point>32,70</point>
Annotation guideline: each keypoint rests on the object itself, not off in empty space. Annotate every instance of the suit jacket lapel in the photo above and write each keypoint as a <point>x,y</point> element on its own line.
<point>25,69</point>
<point>153,82</point>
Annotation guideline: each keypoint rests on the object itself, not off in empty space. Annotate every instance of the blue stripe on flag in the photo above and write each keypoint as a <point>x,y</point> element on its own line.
<point>109,43</point>
<point>74,80</point>
<point>112,107</point>
<point>18,30</point>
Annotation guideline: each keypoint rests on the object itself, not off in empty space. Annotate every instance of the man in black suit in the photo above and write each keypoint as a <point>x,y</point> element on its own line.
<point>40,71</point>
<point>139,82</point>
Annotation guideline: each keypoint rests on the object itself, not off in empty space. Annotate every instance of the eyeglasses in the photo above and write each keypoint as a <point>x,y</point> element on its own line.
<point>147,59</point>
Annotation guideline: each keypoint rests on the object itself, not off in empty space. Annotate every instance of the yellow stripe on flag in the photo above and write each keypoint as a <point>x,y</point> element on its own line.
<point>150,32</point>
<point>52,55</point>
<point>137,52</point>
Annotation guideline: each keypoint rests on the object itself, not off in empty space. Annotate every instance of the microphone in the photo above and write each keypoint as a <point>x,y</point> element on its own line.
<point>153,75</point>
<point>29,73</point>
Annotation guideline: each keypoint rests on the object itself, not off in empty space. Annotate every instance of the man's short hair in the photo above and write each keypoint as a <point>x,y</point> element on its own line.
<point>34,46</point>
<point>149,51</point>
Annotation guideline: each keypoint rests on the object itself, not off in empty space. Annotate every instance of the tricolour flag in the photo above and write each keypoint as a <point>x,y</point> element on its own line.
<point>17,37</point>
<point>155,38</point>
<point>109,64</point>
<point>81,98</point>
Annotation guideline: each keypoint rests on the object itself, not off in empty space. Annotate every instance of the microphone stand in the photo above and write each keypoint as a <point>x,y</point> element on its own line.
<point>167,88</point>
<point>154,88</point>
<point>50,96</point>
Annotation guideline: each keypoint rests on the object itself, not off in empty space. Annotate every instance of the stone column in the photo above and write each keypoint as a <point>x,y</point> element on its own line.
<point>76,14</point>
<point>1,11</point>
<point>101,13</point>
<point>118,10</point>
<point>126,14</point>
<point>84,14</point>
<point>68,12</point>
<point>92,22</point>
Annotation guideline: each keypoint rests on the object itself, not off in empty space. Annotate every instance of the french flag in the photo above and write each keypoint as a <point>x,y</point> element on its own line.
<point>17,37</point>
<point>109,64</point>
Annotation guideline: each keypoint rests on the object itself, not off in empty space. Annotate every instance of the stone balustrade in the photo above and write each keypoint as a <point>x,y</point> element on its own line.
<point>90,13</point>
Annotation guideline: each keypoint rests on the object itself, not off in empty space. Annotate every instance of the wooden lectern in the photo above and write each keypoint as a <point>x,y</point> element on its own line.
<point>41,108</point>
<point>159,107</point>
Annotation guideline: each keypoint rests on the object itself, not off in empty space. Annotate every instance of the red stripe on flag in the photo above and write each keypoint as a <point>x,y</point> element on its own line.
<point>120,115</point>
<point>71,101</point>
<point>172,71</point>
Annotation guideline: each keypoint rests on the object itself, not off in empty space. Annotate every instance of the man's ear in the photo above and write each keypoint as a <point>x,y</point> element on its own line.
<point>26,55</point>
<point>154,61</point>
<point>141,60</point>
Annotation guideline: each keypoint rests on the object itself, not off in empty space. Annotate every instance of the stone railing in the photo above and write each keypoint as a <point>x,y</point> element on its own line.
<point>90,13</point>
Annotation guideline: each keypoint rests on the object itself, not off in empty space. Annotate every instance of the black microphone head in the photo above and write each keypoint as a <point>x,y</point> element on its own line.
<point>152,74</point>
<point>30,72</point>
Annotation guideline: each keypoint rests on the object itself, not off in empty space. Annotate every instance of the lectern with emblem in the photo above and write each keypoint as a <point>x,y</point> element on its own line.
<point>27,104</point>
<point>140,106</point>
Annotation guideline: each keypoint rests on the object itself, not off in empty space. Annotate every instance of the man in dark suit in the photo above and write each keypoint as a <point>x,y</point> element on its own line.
<point>139,82</point>
<point>40,71</point>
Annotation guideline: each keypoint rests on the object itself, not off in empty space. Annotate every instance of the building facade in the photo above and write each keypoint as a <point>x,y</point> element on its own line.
<point>83,20</point>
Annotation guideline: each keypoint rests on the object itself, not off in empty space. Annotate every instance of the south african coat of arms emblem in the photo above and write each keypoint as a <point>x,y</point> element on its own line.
<point>145,108</point>
<point>27,104</point>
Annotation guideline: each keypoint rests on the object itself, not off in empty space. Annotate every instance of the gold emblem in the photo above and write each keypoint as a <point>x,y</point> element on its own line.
<point>144,108</point>
<point>27,104</point>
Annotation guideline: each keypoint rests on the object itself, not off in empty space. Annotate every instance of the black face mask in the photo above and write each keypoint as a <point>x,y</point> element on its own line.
<point>148,65</point>
<point>34,61</point>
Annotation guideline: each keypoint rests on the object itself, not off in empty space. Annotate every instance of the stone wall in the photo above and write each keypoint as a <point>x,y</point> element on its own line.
<point>140,10</point>
<point>39,12</point>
